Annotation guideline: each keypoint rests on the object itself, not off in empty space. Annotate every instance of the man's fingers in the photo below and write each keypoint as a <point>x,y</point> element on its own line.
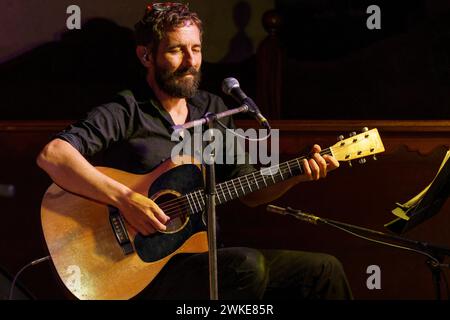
<point>322,165</point>
<point>316,148</point>
<point>145,215</point>
<point>160,214</point>
<point>318,166</point>
<point>155,222</point>
<point>307,169</point>
<point>156,210</point>
<point>332,162</point>
<point>314,169</point>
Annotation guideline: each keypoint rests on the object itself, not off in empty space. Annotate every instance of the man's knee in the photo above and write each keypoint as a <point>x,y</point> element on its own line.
<point>333,283</point>
<point>331,265</point>
<point>251,273</point>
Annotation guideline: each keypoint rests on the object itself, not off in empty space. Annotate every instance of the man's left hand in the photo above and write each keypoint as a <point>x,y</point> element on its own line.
<point>317,166</point>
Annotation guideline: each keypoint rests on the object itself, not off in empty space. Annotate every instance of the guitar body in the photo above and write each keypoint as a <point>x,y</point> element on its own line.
<point>83,245</point>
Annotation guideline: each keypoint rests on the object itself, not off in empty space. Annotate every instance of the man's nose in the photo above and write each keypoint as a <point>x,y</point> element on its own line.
<point>189,59</point>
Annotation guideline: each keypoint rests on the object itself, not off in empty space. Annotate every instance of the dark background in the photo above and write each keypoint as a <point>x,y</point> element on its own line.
<point>334,67</point>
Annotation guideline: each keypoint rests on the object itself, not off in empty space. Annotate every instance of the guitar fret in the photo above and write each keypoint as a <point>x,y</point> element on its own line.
<point>201,197</point>
<point>196,199</point>
<point>264,179</point>
<point>193,201</point>
<point>281,172</point>
<point>218,193</point>
<point>248,183</point>
<point>237,194</point>
<point>243,191</point>
<point>271,174</point>
<point>231,196</point>
<point>198,202</point>
<point>299,166</point>
<point>256,180</point>
<point>189,202</point>
<point>223,193</point>
<point>289,167</point>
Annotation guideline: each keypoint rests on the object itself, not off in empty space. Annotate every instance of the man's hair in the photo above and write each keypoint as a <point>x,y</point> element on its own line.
<point>160,18</point>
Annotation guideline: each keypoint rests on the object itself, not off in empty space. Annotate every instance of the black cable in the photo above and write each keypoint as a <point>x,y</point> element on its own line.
<point>382,242</point>
<point>33,263</point>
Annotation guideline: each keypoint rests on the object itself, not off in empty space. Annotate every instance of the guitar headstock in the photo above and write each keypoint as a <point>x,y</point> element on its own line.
<point>358,146</point>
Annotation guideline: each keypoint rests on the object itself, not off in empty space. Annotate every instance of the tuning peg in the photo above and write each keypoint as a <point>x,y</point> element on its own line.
<point>365,129</point>
<point>375,157</point>
<point>350,164</point>
<point>362,161</point>
<point>352,134</point>
<point>341,138</point>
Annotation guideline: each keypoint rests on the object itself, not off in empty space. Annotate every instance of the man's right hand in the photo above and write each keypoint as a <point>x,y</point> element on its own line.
<point>143,214</point>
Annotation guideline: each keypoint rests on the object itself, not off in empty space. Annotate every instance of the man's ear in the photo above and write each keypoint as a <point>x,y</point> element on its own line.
<point>144,55</point>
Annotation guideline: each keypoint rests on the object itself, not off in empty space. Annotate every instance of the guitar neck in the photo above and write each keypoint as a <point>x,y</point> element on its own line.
<point>257,180</point>
<point>367,143</point>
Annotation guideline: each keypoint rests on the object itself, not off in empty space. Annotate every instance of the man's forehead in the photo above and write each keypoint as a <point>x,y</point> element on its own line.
<point>183,33</point>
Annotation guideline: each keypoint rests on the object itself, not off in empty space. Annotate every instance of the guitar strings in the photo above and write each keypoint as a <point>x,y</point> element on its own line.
<point>259,179</point>
<point>174,204</point>
<point>168,206</point>
<point>183,203</point>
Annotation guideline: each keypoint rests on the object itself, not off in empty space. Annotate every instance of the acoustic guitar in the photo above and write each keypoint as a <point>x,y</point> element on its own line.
<point>96,253</point>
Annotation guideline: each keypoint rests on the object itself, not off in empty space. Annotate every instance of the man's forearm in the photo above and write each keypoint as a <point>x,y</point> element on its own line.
<point>71,171</point>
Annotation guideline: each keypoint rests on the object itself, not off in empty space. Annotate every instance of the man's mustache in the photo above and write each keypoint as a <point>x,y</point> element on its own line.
<point>186,71</point>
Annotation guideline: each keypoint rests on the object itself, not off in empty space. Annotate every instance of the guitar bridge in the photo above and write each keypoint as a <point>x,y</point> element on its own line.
<point>118,226</point>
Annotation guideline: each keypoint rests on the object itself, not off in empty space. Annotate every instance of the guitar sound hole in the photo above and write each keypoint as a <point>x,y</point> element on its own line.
<point>174,209</point>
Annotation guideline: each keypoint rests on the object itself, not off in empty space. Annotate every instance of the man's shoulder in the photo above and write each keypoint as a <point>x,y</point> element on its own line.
<point>122,101</point>
<point>126,96</point>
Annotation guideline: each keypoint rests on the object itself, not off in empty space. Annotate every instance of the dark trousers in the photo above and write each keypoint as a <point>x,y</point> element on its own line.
<point>245,273</point>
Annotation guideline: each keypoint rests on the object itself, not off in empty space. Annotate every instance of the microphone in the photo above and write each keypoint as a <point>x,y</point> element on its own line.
<point>230,86</point>
<point>296,213</point>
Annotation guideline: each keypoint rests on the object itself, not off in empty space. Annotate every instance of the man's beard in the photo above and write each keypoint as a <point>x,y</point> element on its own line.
<point>175,84</point>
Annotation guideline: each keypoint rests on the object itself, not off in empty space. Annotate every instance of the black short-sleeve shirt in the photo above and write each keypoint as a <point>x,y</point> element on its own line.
<point>133,132</point>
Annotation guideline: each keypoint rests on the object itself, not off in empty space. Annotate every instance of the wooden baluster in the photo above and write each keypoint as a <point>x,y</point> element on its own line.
<point>270,61</point>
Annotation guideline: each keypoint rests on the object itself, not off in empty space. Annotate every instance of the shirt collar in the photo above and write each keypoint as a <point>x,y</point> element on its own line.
<point>197,105</point>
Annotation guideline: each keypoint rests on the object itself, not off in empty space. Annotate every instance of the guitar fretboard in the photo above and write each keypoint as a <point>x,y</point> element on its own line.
<point>229,190</point>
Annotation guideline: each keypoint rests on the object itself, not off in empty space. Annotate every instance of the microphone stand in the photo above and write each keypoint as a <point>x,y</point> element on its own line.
<point>435,253</point>
<point>210,192</point>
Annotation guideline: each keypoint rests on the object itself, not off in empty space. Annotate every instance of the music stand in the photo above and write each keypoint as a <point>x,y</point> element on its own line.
<point>424,206</point>
<point>429,205</point>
